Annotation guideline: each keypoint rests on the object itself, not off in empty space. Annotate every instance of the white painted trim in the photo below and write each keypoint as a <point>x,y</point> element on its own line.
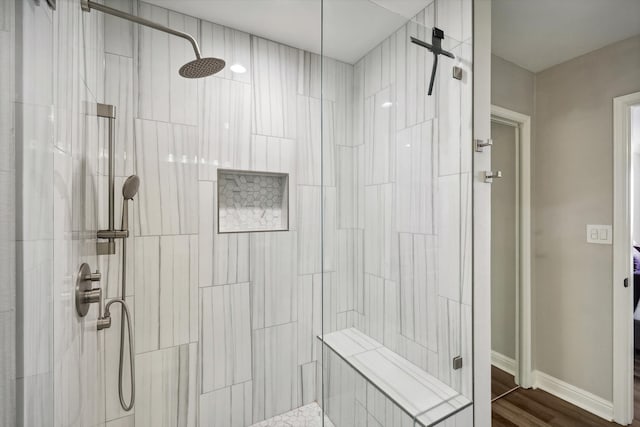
<point>622,297</point>
<point>481,215</point>
<point>503,362</point>
<point>572,394</point>
<point>523,308</point>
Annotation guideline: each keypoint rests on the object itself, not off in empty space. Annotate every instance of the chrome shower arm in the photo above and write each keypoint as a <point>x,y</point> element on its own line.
<point>87,5</point>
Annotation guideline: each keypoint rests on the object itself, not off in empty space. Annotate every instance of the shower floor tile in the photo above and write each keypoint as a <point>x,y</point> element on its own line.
<point>305,416</point>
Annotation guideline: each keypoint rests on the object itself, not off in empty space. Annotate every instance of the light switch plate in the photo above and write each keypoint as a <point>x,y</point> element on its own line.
<point>601,234</point>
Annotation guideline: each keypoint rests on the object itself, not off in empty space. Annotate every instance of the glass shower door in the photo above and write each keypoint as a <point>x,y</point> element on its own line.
<point>396,284</point>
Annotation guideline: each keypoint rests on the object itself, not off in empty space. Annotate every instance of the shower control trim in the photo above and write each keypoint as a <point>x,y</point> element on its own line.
<point>86,294</point>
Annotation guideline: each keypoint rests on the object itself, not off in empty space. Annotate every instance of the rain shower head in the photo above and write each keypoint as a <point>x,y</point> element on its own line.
<point>130,187</point>
<point>201,67</point>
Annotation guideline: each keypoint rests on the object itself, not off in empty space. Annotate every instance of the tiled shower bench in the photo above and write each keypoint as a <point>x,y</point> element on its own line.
<point>384,388</point>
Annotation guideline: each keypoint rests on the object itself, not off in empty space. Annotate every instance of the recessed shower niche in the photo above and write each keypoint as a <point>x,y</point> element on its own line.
<point>252,201</point>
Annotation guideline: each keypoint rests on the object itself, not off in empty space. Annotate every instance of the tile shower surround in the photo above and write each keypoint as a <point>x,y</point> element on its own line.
<point>190,287</point>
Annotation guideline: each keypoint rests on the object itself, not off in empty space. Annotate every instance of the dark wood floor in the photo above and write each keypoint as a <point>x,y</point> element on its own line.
<point>537,408</point>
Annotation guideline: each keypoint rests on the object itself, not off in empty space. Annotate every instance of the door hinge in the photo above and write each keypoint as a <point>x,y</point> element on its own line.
<point>457,362</point>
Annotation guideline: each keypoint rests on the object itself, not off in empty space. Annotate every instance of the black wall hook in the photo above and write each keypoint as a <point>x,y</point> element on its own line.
<point>437,35</point>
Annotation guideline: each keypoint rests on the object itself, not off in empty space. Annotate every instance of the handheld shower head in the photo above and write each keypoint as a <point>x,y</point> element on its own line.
<point>130,187</point>
<point>129,190</point>
<point>201,67</point>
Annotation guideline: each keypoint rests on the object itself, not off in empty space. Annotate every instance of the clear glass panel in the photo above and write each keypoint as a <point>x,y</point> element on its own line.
<point>397,214</point>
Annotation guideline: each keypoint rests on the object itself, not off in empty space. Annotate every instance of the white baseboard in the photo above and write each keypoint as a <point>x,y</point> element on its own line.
<point>572,394</point>
<point>503,362</point>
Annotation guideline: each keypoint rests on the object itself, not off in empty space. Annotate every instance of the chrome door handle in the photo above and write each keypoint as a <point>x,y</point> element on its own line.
<point>490,175</point>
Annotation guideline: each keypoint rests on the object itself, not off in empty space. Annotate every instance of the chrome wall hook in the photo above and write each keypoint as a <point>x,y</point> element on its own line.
<point>490,175</point>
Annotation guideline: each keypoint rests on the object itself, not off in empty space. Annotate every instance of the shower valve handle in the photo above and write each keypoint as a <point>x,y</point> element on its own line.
<point>94,277</point>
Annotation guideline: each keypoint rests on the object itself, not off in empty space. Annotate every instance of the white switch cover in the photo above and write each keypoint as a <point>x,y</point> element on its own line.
<point>602,234</point>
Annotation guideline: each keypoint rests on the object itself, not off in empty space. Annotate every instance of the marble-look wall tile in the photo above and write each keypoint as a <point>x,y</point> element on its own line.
<point>309,316</point>
<point>166,392</point>
<point>309,231</point>
<point>275,71</point>
<point>413,72</point>
<point>128,421</point>
<point>34,400</point>
<point>316,144</point>
<point>7,368</point>
<point>7,106</point>
<point>223,258</point>
<point>415,179</point>
<point>449,17</point>
<point>33,35</point>
<point>271,154</point>
<point>307,383</point>
<point>391,319</point>
<point>227,407</point>
<point>7,241</point>
<point>163,94</point>
<point>119,92</point>
<point>275,373</point>
<point>374,306</point>
<point>379,138</point>
<point>118,33</point>
<point>357,113</point>
<point>178,284</point>
<point>450,191</point>
<point>6,15</point>
<point>453,155</point>
<point>380,236</point>
<point>342,97</point>
<point>310,80</point>
<point>329,302</point>
<point>147,291</point>
<point>225,336</point>
<point>466,350</point>
<point>231,45</point>
<point>225,126</point>
<point>448,341</point>
<point>418,288</point>
<point>273,278</point>
<point>34,329</point>
<point>166,164</point>
<point>34,174</point>
<point>92,53</point>
<point>350,186</point>
<point>350,269</point>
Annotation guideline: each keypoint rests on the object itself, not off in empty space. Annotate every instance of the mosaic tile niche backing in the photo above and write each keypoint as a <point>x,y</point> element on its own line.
<point>252,201</point>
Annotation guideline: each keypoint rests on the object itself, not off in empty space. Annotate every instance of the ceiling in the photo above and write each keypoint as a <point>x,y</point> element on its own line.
<point>537,34</point>
<point>351,27</point>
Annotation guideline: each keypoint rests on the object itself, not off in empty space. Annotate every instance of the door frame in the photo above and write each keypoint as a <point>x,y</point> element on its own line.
<point>522,122</point>
<point>622,297</point>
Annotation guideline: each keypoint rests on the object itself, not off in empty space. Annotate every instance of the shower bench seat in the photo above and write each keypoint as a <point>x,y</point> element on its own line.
<point>423,397</point>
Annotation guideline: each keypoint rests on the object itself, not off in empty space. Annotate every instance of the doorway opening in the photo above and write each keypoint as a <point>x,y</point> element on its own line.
<point>510,252</point>
<point>626,274</point>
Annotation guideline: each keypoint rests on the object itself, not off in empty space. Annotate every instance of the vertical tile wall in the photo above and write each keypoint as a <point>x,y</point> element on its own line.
<point>7,216</point>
